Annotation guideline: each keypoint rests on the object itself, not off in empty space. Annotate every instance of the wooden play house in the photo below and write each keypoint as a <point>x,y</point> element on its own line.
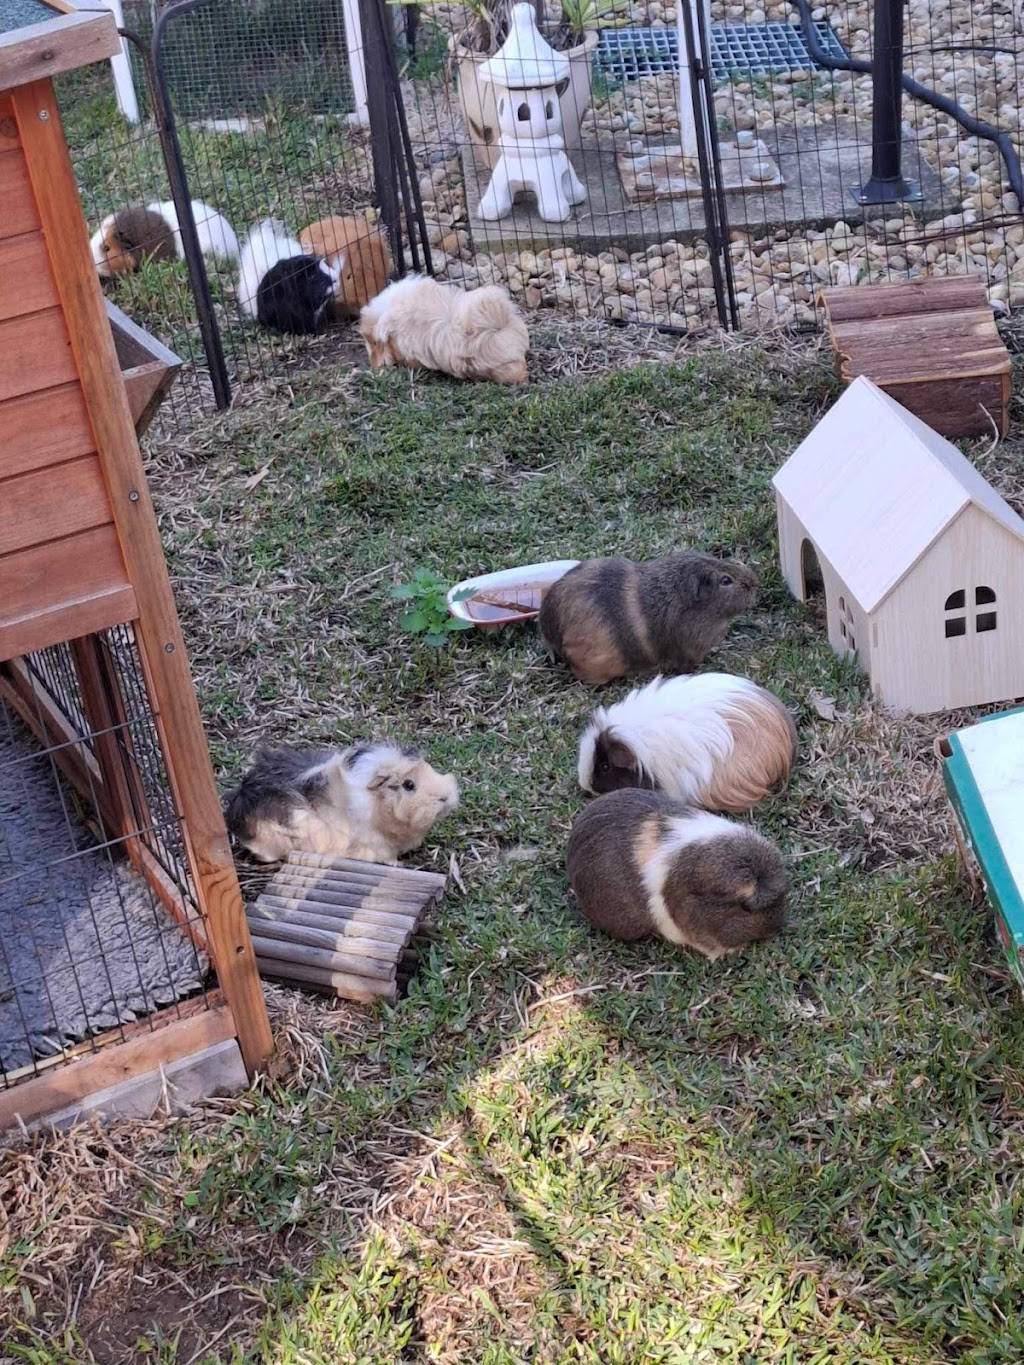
<point>127,974</point>
<point>921,561</point>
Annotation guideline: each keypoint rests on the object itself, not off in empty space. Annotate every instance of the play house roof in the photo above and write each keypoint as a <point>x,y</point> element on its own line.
<point>875,487</point>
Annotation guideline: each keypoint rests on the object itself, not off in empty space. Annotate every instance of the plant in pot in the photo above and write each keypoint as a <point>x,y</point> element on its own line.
<point>573,31</point>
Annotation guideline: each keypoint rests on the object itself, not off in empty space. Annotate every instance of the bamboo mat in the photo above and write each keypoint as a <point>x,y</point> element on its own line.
<point>342,927</point>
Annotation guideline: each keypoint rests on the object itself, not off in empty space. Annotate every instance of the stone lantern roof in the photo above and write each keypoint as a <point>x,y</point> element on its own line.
<point>526,60</point>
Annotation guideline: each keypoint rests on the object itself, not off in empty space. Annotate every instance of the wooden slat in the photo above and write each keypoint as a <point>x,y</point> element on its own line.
<point>339,939</point>
<point>45,428</point>
<point>19,207</point>
<point>63,43</point>
<point>285,897</point>
<point>363,924</point>
<point>26,281</point>
<point>351,963</point>
<point>49,504</point>
<point>368,872</point>
<point>79,581</point>
<point>162,646</point>
<point>934,294</point>
<point>35,353</point>
<point>359,988</point>
<point>64,1085</point>
<point>53,625</point>
<point>925,346</point>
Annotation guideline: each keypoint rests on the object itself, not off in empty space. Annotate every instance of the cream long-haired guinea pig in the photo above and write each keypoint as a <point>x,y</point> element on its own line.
<point>152,232</point>
<point>469,334</point>
<point>369,801</point>
<point>610,617</point>
<point>358,250</point>
<point>642,864</point>
<point>710,739</point>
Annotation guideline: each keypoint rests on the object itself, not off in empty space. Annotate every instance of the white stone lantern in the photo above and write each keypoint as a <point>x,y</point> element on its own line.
<point>528,76</point>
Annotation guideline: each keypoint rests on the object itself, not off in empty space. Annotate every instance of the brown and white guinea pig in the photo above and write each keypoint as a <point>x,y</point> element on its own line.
<point>370,801</point>
<point>610,617</point>
<point>152,232</point>
<point>710,739</point>
<point>469,334</point>
<point>642,863</point>
<point>358,250</point>
<point>284,288</point>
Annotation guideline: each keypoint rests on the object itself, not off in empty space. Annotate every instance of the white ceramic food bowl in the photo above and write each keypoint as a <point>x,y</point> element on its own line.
<point>532,575</point>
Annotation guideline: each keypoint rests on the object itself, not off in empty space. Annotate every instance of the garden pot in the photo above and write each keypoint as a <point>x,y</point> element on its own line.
<point>480,111</point>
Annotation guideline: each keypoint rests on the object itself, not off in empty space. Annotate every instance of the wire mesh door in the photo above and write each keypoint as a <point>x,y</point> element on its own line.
<point>100,925</point>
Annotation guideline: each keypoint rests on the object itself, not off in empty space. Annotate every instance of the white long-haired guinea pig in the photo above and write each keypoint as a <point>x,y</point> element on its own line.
<point>280,285</point>
<point>152,232</point>
<point>709,739</point>
<point>370,801</point>
<point>469,334</point>
<point>642,864</point>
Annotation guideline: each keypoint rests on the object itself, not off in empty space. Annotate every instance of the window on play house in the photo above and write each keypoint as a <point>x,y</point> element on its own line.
<point>956,609</point>
<point>985,620</point>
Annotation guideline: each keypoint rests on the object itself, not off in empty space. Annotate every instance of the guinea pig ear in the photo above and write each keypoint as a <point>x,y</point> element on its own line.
<point>619,754</point>
<point>380,779</point>
<point>124,240</point>
<point>706,580</point>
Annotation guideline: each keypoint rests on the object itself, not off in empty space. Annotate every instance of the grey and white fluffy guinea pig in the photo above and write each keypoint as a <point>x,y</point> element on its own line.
<point>281,286</point>
<point>710,739</point>
<point>643,864</point>
<point>610,617</point>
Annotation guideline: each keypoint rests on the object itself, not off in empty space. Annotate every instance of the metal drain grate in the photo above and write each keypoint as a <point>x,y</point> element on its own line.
<point>626,54</point>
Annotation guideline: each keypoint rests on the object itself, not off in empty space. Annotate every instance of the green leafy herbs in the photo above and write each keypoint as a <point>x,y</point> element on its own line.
<point>427,614</point>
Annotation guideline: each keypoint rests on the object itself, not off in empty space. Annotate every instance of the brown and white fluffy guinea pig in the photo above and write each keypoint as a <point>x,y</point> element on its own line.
<point>610,617</point>
<point>137,233</point>
<point>709,739</point>
<point>369,801</point>
<point>642,863</point>
<point>358,250</point>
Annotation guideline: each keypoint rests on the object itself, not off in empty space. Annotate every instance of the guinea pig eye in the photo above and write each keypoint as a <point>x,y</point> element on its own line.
<point>409,785</point>
<point>725,580</point>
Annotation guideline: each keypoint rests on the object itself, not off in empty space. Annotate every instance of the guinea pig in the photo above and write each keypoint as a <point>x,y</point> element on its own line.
<point>135,234</point>
<point>280,286</point>
<point>358,250</point>
<point>642,863</point>
<point>711,740</point>
<point>370,801</point>
<point>610,617</point>
<point>467,333</point>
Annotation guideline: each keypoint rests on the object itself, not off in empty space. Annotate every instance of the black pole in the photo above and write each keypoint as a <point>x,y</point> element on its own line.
<point>976,127</point>
<point>707,172</point>
<point>377,100</point>
<point>171,146</point>
<point>887,185</point>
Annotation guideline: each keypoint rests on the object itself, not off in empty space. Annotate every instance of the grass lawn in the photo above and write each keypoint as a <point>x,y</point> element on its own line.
<point>558,1148</point>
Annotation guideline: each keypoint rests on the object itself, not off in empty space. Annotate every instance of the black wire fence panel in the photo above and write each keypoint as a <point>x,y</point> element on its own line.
<point>795,146</point>
<point>265,94</point>
<point>261,92</point>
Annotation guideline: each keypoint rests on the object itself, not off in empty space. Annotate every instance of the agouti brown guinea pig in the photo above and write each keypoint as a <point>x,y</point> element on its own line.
<point>611,617</point>
<point>642,863</point>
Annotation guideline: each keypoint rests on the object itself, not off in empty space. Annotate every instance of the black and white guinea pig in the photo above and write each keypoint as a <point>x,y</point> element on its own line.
<point>642,863</point>
<point>139,232</point>
<point>710,739</point>
<point>280,286</point>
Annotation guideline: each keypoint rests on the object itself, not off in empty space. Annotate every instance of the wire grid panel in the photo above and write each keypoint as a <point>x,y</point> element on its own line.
<point>627,54</point>
<point>99,921</point>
